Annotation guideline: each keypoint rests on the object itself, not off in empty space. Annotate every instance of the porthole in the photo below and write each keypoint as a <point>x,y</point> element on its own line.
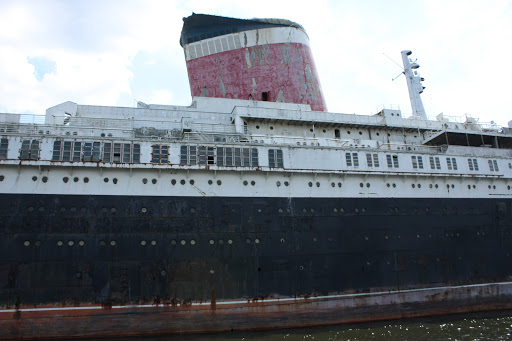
<point>163,273</point>
<point>144,210</point>
<point>286,183</point>
<point>430,186</point>
<point>41,209</point>
<point>363,210</point>
<point>271,128</point>
<point>489,186</point>
<point>245,183</point>
<point>310,184</point>
<point>34,178</point>
<point>474,186</point>
<point>356,210</point>
<point>413,185</point>
<point>361,185</point>
<point>153,242</point>
<point>210,182</point>
<point>339,184</point>
<point>493,186</point>
<point>448,186</point>
<point>247,241</point>
<point>280,210</point>
<point>360,133</point>
<point>508,187</point>
<point>253,183</point>
<point>173,242</point>
<point>348,132</point>
<point>257,127</point>
<point>192,210</point>
<point>394,185</point>
<point>183,242</point>
<point>256,241</point>
<point>377,134</point>
<point>45,179</point>
<point>142,242</point>
<point>282,240</point>
<point>301,268</point>
<point>102,243</point>
<point>436,186</point>
<point>510,165</point>
<point>419,185</point>
<point>469,186</point>
<point>113,243</point>
<point>312,210</point>
<point>278,183</point>
<point>37,243</point>
<point>73,209</point>
<point>83,209</point>
<point>182,181</point>
<point>219,182</point>
<point>154,181</point>
<point>81,243</point>
<point>114,181</point>
<point>333,184</point>
<point>60,243</point>
<point>368,184</point>
<point>191,182</point>
<point>173,182</point>
<point>342,210</point>
<point>75,179</point>
<point>304,210</point>
<point>86,179</point>
<point>26,243</point>
<point>212,241</point>
<point>2,178</point>
<point>113,210</point>
<point>453,186</point>
<point>212,271</point>
<point>311,129</point>
<point>105,180</point>
<point>71,243</point>
<point>323,131</point>
<point>335,209</point>
<point>104,210</point>
<point>317,184</point>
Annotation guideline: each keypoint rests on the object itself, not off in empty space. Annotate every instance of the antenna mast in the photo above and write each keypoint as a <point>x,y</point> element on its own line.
<point>414,85</point>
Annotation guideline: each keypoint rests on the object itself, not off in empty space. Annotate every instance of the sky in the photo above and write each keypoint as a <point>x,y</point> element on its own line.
<point>118,52</point>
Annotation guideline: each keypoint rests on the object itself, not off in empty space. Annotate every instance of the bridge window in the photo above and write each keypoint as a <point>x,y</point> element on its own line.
<point>372,160</point>
<point>29,150</point>
<point>435,163</point>
<point>352,159</point>
<point>451,163</point>
<point>473,164</point>
<point>275,158</point>
<point>392,161</point>
<point>493,165</point>
<point>160,154</point>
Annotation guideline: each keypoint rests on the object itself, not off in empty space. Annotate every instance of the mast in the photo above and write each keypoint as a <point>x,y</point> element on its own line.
<point>414,85</point>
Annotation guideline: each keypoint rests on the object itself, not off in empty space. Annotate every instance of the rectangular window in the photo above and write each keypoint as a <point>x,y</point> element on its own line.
<point>389,161</point>
<point>449,163</point>
<point>127,153</point>
<point>96,151</point>
<point>77,151</point>
<point>414,162</point>
<point>495,163</point>
<point>475,164</point>
<point>66,151</point>
<point>87,151</point>
<point>188,155</point>
<point>254,157</point>
<point>4,144</point>
<point>275,158</point>
<point>246,157</point>
<point>117,153</point>
<point>454,163</point>
<point>348,158</point>
<point>34,150</point>
<point>107,152</point>
<point>420,162</point>
<point>136,153</point>
<point>160,154</point>
<point>376,160</point>
<point>395,161</point>
<point>56,150</point>
<point>238,159</point>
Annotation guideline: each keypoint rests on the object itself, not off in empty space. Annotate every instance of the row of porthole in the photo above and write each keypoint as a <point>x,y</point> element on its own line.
<point>72,209</point>
<point>220,241</point>
<point>278,183</point>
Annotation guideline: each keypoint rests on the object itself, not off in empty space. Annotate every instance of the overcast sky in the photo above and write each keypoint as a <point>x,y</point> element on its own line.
<point>115,53</point>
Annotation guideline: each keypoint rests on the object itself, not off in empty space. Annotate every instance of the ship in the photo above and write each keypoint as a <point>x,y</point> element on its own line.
<point>252,208</point>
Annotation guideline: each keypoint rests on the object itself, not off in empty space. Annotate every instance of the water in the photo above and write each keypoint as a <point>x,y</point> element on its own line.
<point>477,326</point>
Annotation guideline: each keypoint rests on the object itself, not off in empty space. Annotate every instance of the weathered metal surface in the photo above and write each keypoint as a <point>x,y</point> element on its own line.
<point>210,317</point>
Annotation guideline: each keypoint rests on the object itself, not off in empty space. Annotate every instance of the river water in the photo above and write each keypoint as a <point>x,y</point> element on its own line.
<point>476,326</point>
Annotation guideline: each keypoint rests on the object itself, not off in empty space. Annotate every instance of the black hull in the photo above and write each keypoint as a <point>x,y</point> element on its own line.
<point>271,247</point>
